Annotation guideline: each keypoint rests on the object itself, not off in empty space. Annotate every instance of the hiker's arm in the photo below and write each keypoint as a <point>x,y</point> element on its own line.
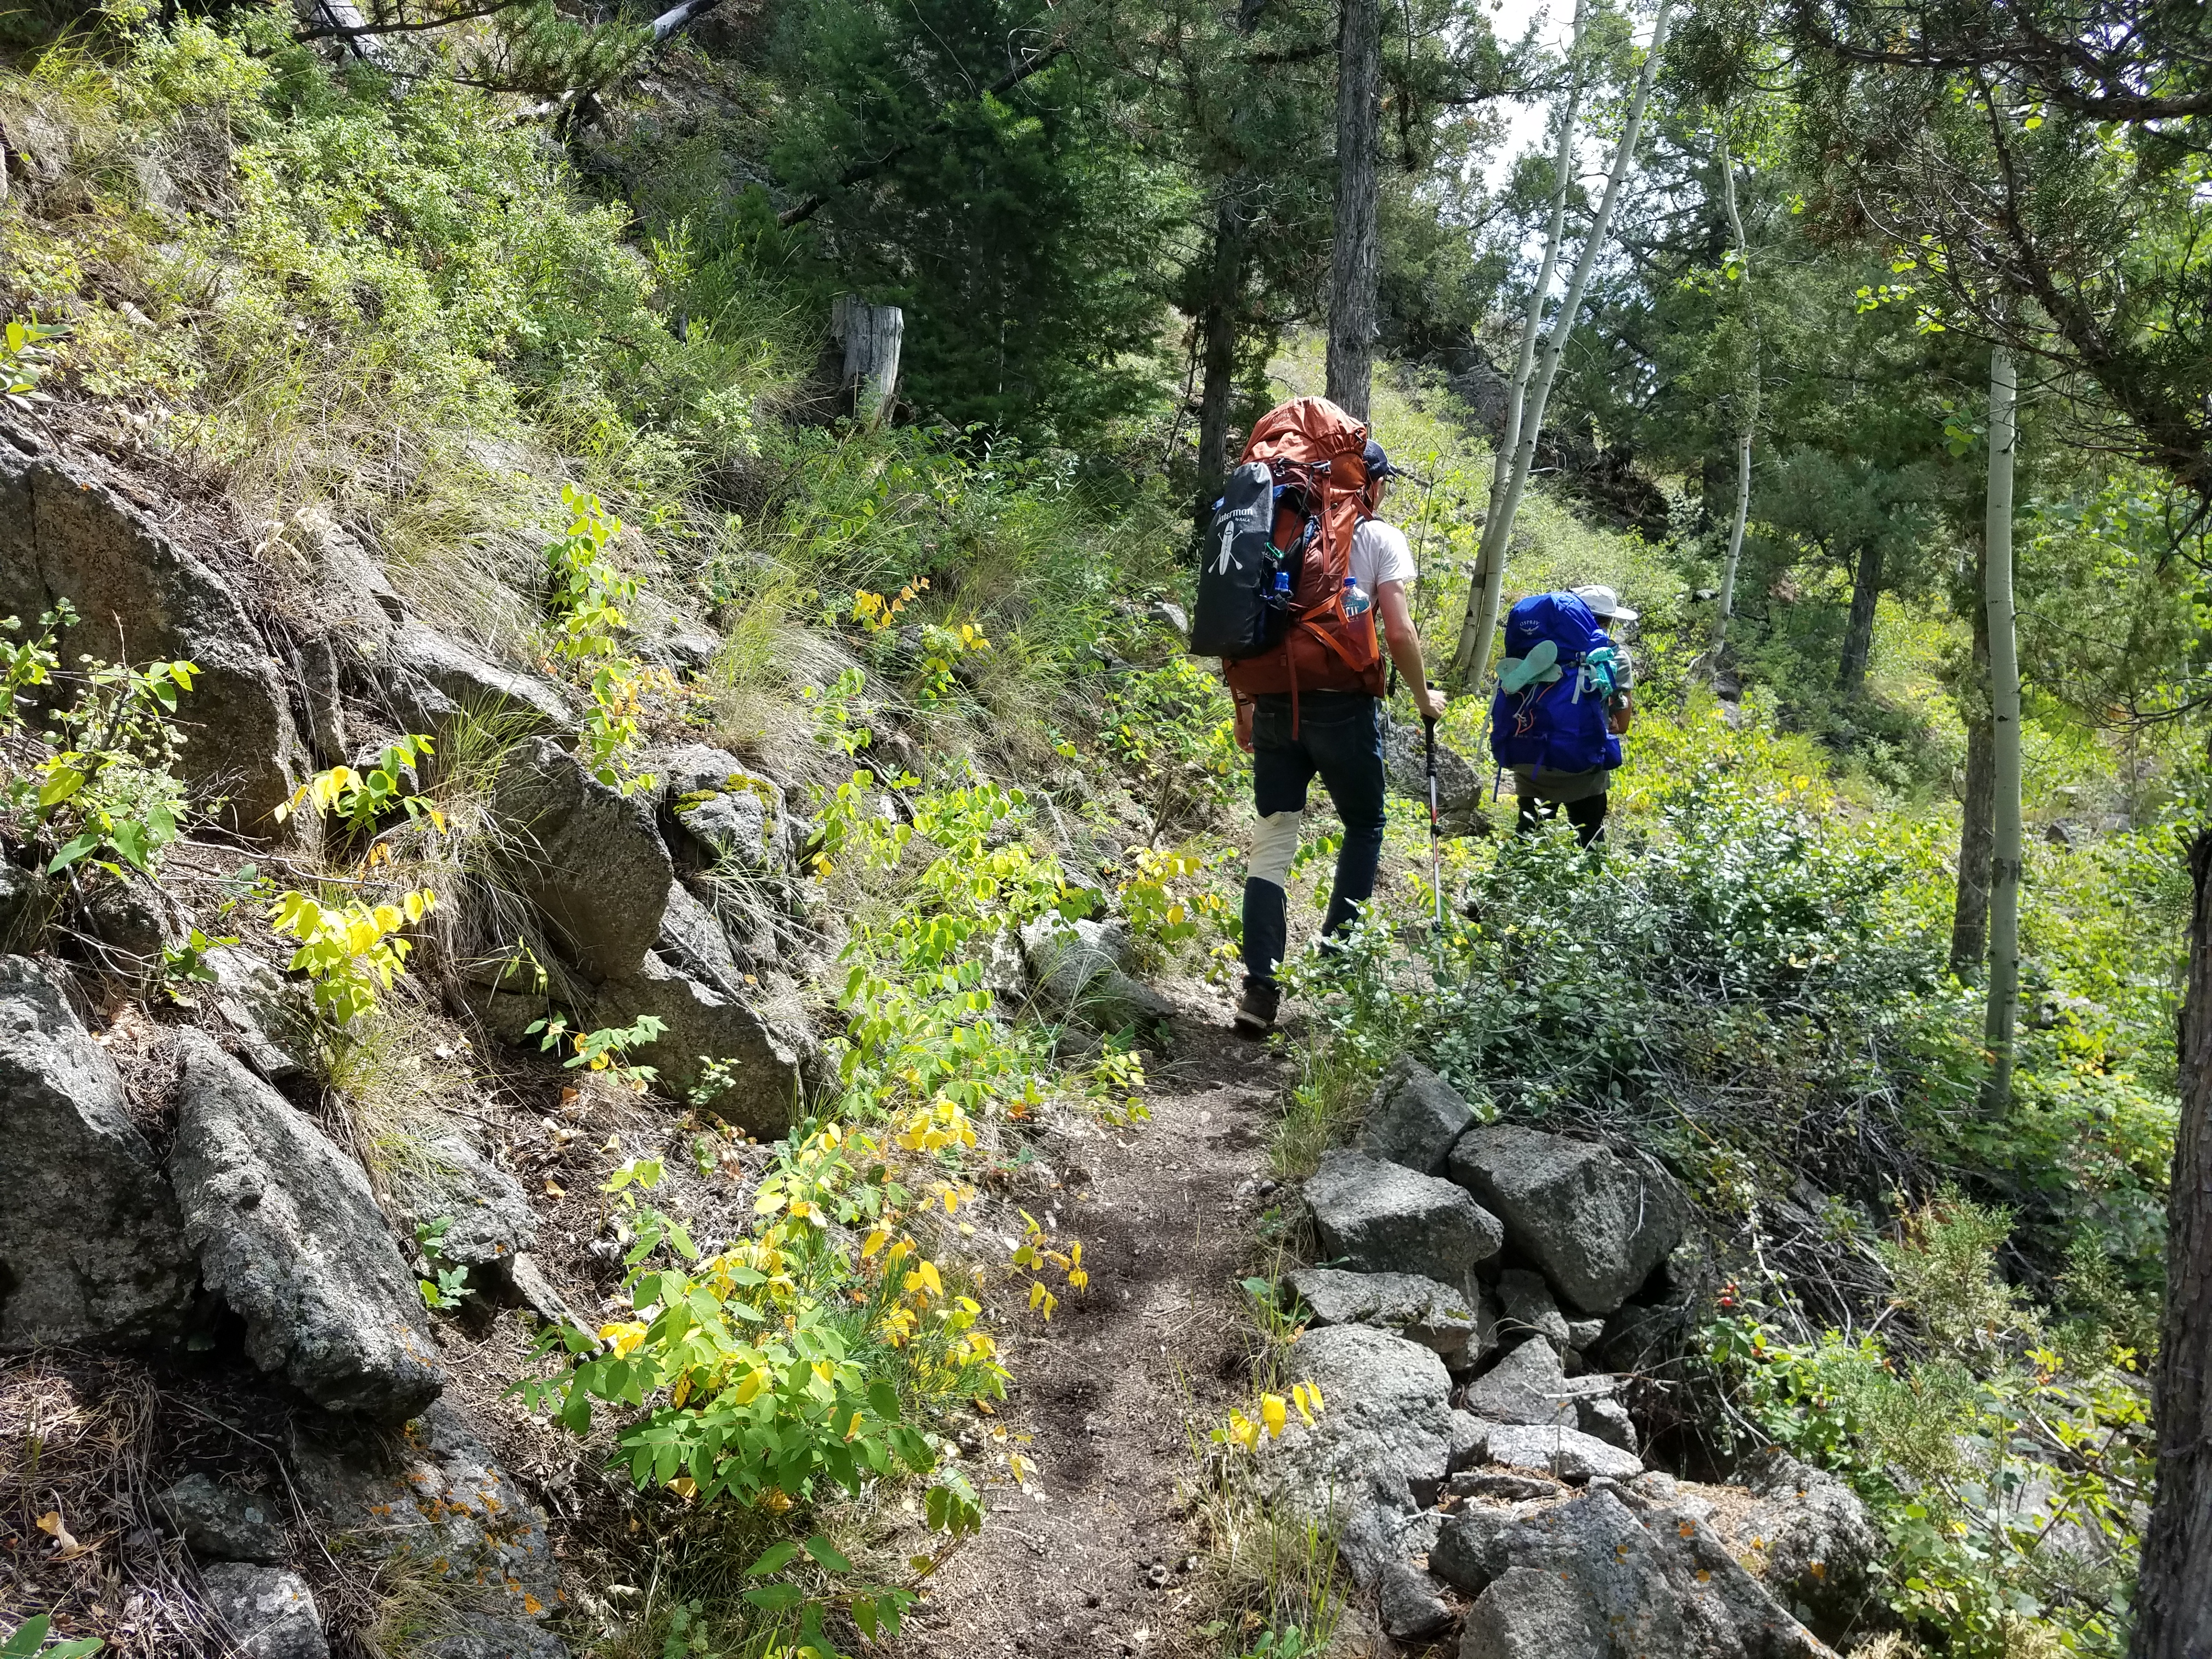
<point>1405,648</point>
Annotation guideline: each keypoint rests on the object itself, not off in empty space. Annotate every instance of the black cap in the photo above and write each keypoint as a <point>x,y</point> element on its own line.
<point>1378,464</point>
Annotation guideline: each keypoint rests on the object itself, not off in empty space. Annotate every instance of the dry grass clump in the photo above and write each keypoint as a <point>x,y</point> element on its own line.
<point>78,1538</point>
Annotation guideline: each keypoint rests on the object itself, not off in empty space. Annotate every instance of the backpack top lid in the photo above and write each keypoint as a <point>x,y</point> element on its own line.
<point>1312,430</point>
<point>1562,618</point>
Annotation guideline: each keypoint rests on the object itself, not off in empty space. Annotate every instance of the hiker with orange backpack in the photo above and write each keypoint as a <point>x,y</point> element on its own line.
<point>1296,567</point>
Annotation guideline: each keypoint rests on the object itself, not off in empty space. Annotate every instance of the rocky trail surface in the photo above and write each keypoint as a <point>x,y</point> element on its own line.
<point>1097,1556</point>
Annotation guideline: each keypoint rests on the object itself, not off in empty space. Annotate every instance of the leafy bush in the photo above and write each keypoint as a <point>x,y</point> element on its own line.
<point>2007,1477</point>
<point>352,952</point>
<point>95,784</point>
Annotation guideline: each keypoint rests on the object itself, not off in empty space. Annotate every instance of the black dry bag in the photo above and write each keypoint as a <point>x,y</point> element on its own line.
<point>1245,581</point>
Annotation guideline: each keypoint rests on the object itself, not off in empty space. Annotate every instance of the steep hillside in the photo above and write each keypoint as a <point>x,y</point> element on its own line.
<point>614,982</point>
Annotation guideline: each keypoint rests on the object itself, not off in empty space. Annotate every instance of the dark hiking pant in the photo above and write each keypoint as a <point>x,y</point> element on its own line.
<point>1340,735</point>
<point>1587,815</point>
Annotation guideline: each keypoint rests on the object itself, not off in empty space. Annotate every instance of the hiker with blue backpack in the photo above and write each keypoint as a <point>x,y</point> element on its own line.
<point>1563,700</point>
<point>1296,569</point>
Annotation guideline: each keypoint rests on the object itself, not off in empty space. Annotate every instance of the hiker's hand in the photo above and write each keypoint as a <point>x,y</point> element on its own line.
<point>1244,727</point>
<point>1431,701</point>
<point>1621,720</point>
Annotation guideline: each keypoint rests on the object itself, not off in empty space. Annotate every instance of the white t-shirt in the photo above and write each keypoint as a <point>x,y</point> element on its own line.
<point>1379,555</point>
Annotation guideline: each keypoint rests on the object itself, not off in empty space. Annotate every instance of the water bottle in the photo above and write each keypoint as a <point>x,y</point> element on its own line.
<point>1356,602</point>
<point>1282,587</point>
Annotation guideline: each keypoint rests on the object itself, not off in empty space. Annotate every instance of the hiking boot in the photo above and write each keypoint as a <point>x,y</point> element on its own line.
<point>1255,1009</point>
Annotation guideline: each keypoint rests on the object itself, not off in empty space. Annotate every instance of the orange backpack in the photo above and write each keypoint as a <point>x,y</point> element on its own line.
<point>1321,649</point>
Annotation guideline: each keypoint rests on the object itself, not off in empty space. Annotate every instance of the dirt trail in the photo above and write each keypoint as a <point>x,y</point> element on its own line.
<point>1091,1561</point>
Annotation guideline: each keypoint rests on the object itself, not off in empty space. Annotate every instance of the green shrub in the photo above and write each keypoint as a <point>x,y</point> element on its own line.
<point>2009,1478</point>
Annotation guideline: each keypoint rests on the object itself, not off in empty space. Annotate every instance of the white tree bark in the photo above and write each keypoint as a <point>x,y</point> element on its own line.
<point>872,336</point>
<point>1489,576</point>
<point>1471,659</point>
<point>1749,393</point>
<point>2004,703</point>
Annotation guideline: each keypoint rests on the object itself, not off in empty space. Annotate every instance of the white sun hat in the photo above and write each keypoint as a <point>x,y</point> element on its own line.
<point>1604,602</point>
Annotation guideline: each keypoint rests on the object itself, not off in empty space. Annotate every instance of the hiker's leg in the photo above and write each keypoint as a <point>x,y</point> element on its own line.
<point>1281,770</point>
<point>1346,743</point>
<point>1588,816</point>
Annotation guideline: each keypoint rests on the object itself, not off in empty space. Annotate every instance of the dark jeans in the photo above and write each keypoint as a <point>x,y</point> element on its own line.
<point>1587,815</point>
<point>1340,735</point>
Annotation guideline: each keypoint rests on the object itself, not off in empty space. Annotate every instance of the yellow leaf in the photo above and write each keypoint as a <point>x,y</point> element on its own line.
<point>876,1241</point>
<point>1274,1412</point>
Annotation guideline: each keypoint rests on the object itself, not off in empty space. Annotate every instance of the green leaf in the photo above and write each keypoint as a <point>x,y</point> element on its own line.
<point>76,848</point>
<point>775,1558</point>
<point>775,1598</point>
<point>825,1556</point>
<point>884,1400</point>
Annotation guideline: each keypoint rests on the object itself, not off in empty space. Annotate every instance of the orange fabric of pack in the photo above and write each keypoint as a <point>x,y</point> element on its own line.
<point>1322,649</point>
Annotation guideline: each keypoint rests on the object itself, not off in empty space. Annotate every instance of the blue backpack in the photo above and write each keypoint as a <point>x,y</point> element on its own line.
<point>1550,710</point>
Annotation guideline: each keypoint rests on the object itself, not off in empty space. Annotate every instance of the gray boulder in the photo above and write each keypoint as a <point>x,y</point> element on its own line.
<point>1526,1307</point>
<point>1384,1218</point>
<point>1528,1613</point>
<point>730,816</point>
<point>591,858</point>
<point>92,1251</point>
<point>1459,1327</point>
<point>693,940</point>
<point>1608,1574</point>
<point>66,534</point>
<point>223,1523</point>
<point>1383,1436</point>
<point>434,1498</point>
<point>1602,1417</point>
<point>433,683</point>
<point>1810,1538</point>
<point>488,1216</point>
<point>1594,1223</point>
<point>1527,1386</point>
<point>1569,1453</point>
<point>1459,787</point>
<point>1078,970</point>
<point>1410,1603</point>
<point>290,1236</point>
<point>262,1011</point>
<point>270,1612</point>
<point>27,899</point>
<point>1583,1335</point>
<point>700,1022</point>
<point>1413,1118</point>
<point>1470,1441</point>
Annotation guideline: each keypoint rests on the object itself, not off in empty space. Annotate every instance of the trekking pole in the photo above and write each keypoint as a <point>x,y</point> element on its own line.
<point>1435,833</point>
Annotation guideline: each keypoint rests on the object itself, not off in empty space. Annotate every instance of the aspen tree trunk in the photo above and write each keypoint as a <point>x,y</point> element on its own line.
<point>2004,719</point>
<point>1532,323</point>
<point>1970,911</point>
<point>1477,632</point>
<point>1750,411</point>
<point>1356,262</point>
<point>2173,1593</point>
